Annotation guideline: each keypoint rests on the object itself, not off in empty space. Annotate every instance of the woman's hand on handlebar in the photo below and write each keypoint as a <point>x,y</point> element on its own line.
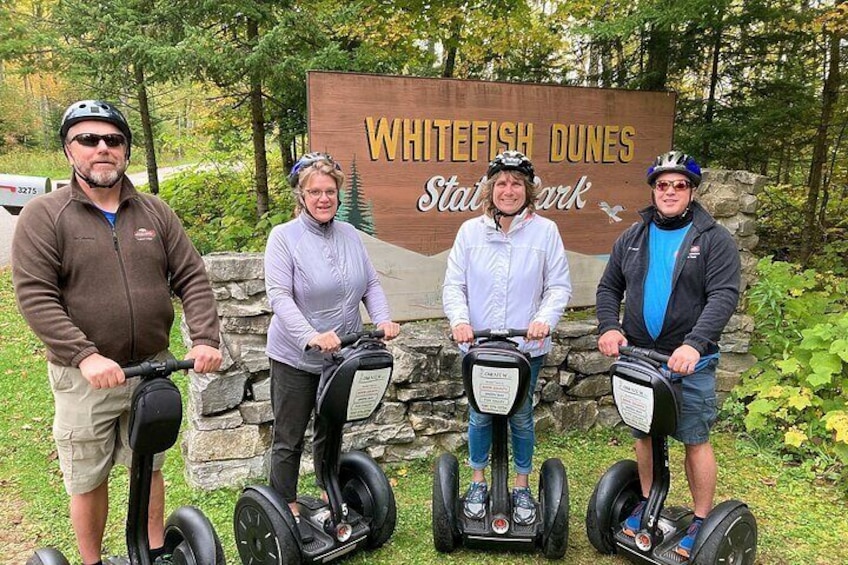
<point>537,331</point>
<point>683,360</point>
<point>328,342</point>
<point>610,341</point>
<point>207,359</point>
<point>462,333</point>
<point>391,329</point>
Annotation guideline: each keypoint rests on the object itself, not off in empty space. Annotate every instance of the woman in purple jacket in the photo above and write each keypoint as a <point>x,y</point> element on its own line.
<point>316,274</point>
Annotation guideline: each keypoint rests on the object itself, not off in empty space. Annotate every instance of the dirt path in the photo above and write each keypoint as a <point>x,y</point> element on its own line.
<point>17,542</point>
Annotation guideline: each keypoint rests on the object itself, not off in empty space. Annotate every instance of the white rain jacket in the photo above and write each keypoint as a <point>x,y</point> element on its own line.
<point>497,280</point>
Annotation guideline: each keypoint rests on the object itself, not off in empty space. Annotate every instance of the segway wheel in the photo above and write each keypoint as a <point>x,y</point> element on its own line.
<point>445,493</point>
<point>191,539</point>
<point>553,500</point>
<point>47,556</point>
<point>734,540</point>
<point>262,536</point>
<point>614,498</point>
<point>366,489</point>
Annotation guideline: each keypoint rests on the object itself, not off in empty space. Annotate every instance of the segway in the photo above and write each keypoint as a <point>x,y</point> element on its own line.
<point>496,376</point>
<point>361,511</point>
<point>647,396</point>
<point>155,419</point>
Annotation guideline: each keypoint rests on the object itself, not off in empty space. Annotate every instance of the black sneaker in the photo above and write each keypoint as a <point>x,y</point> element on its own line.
<point>475,500</point>
<point>523,506</point>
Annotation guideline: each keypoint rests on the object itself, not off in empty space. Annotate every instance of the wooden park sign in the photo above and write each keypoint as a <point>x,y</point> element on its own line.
<point>415,152</point>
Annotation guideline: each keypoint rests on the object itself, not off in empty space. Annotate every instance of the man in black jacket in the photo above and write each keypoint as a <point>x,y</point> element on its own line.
<point>680,271</point>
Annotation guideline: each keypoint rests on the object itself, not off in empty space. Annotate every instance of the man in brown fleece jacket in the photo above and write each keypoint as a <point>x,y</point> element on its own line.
<point>94,265</point>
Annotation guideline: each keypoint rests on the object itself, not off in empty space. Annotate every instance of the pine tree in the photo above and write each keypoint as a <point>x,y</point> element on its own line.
<point>356,209</point>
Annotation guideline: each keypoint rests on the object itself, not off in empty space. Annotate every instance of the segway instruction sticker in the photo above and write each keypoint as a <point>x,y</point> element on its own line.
<point>635,404</point>
<point>366,391</point>
<point>494,388</point>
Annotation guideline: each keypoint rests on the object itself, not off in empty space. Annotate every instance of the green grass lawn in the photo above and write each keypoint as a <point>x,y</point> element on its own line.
<point>800,522</point>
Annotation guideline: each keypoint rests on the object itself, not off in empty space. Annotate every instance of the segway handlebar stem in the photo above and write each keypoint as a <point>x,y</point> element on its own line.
<point>158,368</point>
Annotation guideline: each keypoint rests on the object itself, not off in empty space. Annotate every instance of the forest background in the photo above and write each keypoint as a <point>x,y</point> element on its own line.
<point>760,84</point>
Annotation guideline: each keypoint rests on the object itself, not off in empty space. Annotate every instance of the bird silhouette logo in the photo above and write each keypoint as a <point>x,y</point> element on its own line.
<point>611,211</point>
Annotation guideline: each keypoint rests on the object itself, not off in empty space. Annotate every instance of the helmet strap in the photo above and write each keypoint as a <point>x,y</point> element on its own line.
<point>671,222</point>
<point>498,215</point>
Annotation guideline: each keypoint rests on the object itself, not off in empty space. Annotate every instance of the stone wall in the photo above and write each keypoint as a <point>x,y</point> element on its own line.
<point>425,409</point>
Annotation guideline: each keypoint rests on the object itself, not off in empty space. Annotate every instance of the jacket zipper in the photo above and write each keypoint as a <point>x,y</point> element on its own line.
<point>126,289</point>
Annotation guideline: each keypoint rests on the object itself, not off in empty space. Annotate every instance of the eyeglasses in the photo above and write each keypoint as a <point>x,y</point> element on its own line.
<point>93,139</point>
<point>664,185</point>
<point>316,194</point>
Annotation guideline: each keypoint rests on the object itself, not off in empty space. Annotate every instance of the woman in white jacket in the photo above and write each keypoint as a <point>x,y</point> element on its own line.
<point>507,269</point>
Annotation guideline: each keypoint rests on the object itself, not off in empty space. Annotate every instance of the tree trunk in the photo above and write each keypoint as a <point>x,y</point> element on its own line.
<point>830,95</point>
<point>656,73</point>
<point>257,122</point>
<point>147,128</point>
<point>450,62</point>
<point>709,111</point>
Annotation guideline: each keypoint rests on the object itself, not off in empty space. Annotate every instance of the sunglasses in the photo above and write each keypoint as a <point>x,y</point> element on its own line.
<point>664,185</point>
<point>93,139</point>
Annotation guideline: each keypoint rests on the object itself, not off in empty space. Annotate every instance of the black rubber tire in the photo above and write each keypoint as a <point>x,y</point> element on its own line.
<point>614,497</point>
<point>254,519</point>
<point>47,556</point>
<point>366,489</point>
<point>734,540</point>
<point>553,500</point>
<point>445,496</point>
<point>190,537</point>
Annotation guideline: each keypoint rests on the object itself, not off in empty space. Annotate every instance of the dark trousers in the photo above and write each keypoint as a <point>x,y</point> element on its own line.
<point>293,401</point>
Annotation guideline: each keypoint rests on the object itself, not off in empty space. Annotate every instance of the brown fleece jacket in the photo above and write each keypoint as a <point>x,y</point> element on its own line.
<point>85,287</point>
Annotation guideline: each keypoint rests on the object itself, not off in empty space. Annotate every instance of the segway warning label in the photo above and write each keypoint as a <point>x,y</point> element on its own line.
<point>366,391</point>
<point>635,404</point>
<point>494,388</point>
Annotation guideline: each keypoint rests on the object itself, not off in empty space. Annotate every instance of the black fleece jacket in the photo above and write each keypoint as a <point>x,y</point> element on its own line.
<point>704,292</point>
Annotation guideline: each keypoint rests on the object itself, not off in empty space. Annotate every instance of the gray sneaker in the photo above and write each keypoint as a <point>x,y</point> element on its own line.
<point>475,500</point>
<point>523,506</point>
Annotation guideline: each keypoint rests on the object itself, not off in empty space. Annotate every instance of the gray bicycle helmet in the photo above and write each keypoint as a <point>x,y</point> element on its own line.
<point>675,162</point>
<point>307,160</point>
<point>95,110</point>
<point>511,161</point>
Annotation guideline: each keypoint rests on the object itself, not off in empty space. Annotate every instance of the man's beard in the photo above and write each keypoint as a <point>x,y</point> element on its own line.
<point>106,178</point>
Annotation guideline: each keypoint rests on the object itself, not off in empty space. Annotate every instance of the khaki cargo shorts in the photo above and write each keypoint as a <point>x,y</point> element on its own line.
<point>91,427</point>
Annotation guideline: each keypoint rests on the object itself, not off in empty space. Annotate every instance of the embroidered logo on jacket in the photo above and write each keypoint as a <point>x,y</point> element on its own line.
<point>694,252</point>
<point>144,234</point>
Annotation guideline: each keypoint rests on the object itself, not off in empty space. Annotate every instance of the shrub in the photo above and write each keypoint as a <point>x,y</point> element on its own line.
<point>218,208</point>
<point>795,394</point>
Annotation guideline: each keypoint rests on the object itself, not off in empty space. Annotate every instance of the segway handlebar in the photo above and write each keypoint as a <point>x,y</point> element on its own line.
<point>643,353</point>
<point>350,339</point>
<point>499,334</point>
<point>158,368</point>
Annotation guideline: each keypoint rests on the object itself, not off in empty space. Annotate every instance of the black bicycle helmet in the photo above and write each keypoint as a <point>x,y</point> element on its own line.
<point>675,162</point>
<point>95,110</point>
<point>307,160</point>
<point>511,161</point>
